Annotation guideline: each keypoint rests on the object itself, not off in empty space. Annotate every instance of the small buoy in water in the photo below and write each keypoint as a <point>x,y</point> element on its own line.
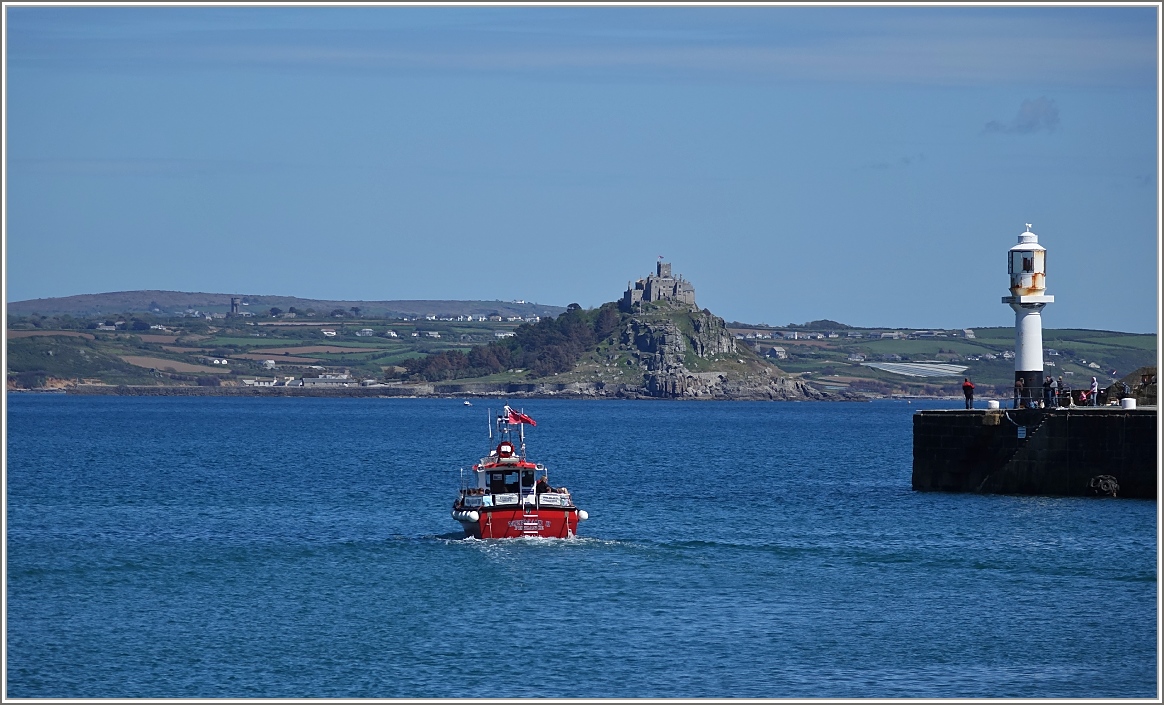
<point>582,515</point>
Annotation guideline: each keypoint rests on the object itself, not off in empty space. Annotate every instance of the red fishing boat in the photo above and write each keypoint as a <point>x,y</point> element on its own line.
<point>507,496</point>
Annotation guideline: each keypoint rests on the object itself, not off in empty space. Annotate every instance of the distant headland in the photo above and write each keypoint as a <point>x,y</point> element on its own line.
<point>181,303</point>
<point>653,341</point>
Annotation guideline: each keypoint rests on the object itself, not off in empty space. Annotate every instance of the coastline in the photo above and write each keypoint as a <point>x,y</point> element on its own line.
<point>438,391</point>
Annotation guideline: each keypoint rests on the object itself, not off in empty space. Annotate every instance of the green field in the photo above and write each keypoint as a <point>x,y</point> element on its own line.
<point>825,361</point>
<point>41,359</point>
<point>34,361</point>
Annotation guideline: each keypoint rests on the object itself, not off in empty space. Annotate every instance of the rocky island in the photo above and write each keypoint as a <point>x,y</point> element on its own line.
<point>654,343</point>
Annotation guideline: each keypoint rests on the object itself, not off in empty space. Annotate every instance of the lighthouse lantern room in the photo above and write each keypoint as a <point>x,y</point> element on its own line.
<point>1027,262</point>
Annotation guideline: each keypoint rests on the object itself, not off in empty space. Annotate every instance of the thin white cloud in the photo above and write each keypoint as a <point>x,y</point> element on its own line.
<point>930,46</point>
<point>139,167</point>
<point>1034,115</point>
<point>898,163</point>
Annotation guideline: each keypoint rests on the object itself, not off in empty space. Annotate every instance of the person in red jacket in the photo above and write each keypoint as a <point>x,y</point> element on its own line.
<point>968,390</point>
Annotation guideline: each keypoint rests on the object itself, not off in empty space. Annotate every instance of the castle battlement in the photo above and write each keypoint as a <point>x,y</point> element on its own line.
<point>660,286</point>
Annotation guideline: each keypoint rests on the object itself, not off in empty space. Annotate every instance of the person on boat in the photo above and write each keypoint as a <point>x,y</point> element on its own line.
<point>542,486</point>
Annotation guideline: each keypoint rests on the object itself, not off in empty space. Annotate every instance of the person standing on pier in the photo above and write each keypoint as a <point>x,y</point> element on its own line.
<point>1094,394</point>
<point>1053,390</point>
<point>1018,393</point>
<point>968,390</point>
<point>1047,391</point>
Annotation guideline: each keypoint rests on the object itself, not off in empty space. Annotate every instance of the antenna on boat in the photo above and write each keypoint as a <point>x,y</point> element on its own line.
<point>489,423</point>
<point>521,431</point>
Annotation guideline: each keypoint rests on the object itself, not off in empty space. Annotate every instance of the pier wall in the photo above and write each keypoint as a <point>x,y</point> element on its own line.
<point>1063,449</point>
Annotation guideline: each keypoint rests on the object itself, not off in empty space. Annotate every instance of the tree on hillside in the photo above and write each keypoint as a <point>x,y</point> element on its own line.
<point>338,313</point>
<point>606,322</point>
<point>549,346</point>
<point>275,311</point>
<point>355,311</point>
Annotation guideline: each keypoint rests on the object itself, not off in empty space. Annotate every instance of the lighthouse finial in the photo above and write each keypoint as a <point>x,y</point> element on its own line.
<point>1028,227</point>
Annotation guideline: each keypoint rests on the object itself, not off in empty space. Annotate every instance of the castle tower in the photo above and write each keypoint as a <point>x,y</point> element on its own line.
<point>234,302</point>
<point>658,287</point>
<point>1027,263</point>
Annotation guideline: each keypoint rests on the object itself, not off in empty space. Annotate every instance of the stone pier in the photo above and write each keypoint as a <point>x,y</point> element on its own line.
<point>1036,452</point>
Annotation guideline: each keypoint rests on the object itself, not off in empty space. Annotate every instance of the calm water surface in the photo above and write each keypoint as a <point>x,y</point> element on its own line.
<point>291,548</point>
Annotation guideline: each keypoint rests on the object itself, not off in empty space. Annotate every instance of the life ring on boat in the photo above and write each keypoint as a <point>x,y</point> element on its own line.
<point>505,449</point>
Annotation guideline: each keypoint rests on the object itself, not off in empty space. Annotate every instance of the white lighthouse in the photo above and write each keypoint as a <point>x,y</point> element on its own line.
<point>1027,262</point>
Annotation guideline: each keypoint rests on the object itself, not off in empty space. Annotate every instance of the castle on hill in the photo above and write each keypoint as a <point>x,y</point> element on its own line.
<point>660,286</point>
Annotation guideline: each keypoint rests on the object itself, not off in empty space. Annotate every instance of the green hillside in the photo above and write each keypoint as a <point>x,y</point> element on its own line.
<point>1068,352</point>
<point>42,349</point>
<point>596,346</point>
<point>166,303</point>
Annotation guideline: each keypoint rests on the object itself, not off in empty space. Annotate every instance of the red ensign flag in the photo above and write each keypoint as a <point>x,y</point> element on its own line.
<point>518,417</point>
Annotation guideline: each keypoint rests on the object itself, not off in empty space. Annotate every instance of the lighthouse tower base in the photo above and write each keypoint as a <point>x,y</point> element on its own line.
<point>1028,350</point>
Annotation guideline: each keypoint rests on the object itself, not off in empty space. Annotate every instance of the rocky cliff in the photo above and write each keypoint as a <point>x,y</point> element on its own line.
<point>679,351</point>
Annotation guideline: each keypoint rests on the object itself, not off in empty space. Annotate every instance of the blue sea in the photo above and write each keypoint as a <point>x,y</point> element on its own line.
<point>295,548</point>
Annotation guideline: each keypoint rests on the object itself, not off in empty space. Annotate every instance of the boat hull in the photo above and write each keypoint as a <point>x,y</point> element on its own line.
<point>512,522</point>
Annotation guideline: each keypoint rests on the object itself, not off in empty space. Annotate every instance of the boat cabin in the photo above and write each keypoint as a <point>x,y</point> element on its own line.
<point>505,477</point>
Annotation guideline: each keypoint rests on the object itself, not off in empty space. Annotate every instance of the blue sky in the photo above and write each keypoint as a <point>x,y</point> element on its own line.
<point>871,165</point>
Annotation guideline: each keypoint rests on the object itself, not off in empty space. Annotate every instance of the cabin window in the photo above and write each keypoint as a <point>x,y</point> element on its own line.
<point>527,478</point>
<point>500,482</point>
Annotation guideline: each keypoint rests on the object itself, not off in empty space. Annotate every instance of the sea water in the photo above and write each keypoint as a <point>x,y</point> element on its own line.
<point>296,547</point>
